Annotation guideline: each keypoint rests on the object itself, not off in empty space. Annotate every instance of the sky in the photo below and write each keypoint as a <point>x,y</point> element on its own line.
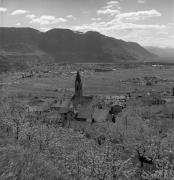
<point>147,22</point>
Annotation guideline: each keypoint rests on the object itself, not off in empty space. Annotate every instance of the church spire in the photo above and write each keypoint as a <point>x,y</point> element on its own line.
<point>78,78</point>
<point>78,85</point>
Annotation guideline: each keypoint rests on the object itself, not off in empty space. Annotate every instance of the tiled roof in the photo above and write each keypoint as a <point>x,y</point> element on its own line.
<point>100,115</point>
<point>85,113</point>
<point>84,100</point>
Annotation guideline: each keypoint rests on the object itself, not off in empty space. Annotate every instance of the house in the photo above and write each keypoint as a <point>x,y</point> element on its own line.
<point>84,114</point>
<point>113,100</point>
<point>63,103</point>
<point>53,117</point>
<point>169,111</point>
<point>169,99</point>
<point>153,99</point>
<point>63,107</point>
<point>66,116</point>
<point>38,105</point>
<point>116,109</point>
<point>101,115</point>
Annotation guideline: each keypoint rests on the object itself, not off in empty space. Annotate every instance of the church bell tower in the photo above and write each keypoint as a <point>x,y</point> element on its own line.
<point>78,86</point>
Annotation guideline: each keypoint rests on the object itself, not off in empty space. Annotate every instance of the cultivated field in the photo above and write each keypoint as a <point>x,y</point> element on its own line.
<point>118,81</point>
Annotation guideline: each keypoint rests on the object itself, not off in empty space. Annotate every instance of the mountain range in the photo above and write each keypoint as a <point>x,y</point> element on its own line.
<point>27,45</point>
<point>161,52</point>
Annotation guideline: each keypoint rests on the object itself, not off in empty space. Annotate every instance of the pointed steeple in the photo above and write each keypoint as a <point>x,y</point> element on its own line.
<point>78,78</point>
<point>78,85</point>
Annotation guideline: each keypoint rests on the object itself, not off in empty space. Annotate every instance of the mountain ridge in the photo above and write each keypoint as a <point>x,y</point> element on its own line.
<point>161,52</point>
<point>65,45</point>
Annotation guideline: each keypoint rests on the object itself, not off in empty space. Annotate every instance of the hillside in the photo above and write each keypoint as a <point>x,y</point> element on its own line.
<point>162,52</point>
<point>90,47</point>
<point>64,45</point>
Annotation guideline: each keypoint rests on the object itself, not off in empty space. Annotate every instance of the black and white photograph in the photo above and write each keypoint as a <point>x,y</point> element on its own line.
<point>86,89</point>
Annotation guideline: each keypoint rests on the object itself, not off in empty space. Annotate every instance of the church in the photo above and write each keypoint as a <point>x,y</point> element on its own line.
<point>78,98</point>
<point>79,107</point>
<point>85,105</point>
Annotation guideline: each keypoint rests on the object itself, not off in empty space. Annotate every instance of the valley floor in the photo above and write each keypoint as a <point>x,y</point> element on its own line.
<point>139,145</point>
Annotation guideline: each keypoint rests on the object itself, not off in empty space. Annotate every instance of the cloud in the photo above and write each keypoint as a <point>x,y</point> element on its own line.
<point>112,8</point>
<point>141,1</point>
<point>113,4</point>
<point>110,12</point>
<point>71,17</point>
<point>141,33</point>
<point>150,38</point>
<point>18,24</point>
<point>125,26</point>
<point>30,16</point>
<point>139,15</point>
<point>96,19</point>
<point>44,29</point>
<point>123,21</point>
<point>106,27</point>
<point>2,9</point>
<point>19,12</point>
<point>46,20</point>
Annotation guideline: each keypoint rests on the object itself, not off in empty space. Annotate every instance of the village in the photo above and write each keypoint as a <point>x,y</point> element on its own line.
<point>91,109</point>
<point>125,112</point>
<point>91,98</point>
<point>76,111</point>
<point>86,90</point>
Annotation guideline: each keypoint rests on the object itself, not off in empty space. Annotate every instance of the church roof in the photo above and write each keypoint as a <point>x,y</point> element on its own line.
<point>85,113</point>
<point>82,101</point>
<point>100,115</point>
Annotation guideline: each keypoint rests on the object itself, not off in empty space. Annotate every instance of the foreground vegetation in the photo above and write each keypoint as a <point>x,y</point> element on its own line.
<point>134,148</point>
<point>138,146</point>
